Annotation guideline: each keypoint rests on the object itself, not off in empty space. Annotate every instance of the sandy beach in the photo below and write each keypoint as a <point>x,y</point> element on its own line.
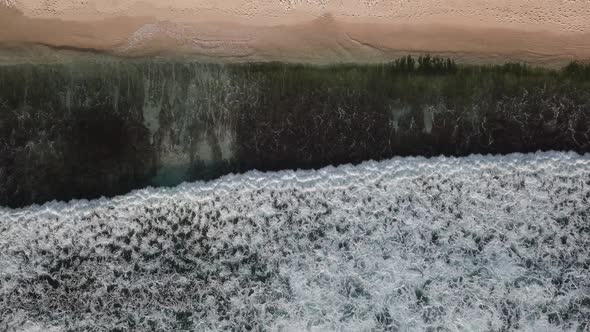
<point>310,31</point>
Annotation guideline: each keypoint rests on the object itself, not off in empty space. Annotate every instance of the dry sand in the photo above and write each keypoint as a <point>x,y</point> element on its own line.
<point>320,31</point>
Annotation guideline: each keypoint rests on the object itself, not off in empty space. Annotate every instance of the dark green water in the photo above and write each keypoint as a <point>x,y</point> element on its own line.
<point>103,126</point>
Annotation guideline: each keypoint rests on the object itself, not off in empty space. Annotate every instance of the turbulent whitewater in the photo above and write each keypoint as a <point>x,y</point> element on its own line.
<point>489,243</point>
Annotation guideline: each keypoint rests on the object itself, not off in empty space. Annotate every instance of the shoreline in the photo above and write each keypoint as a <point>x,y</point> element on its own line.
<point>12,54</point>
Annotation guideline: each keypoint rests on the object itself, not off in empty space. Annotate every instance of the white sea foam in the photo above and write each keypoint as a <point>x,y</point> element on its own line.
<point>476,243</point>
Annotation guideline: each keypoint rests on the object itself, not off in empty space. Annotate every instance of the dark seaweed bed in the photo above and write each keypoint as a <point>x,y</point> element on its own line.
<point>102,125</point>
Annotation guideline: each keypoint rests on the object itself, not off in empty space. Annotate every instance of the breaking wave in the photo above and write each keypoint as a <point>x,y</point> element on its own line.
<point>477,243</point>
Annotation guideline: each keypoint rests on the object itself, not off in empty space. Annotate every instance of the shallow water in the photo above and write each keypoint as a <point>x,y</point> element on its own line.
<point>99,125</point>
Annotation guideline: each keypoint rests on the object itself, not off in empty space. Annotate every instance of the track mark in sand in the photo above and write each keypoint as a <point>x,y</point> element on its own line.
<point>364,44</point>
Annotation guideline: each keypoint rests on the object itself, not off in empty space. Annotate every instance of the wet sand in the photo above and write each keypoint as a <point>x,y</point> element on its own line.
<point>302,31</point>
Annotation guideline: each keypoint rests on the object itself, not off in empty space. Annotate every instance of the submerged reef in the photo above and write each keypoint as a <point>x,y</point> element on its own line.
<point>100,125</point>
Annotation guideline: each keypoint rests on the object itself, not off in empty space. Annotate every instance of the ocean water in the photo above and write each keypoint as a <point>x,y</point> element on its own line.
<point>478,243</point>
<point>98,125</point>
